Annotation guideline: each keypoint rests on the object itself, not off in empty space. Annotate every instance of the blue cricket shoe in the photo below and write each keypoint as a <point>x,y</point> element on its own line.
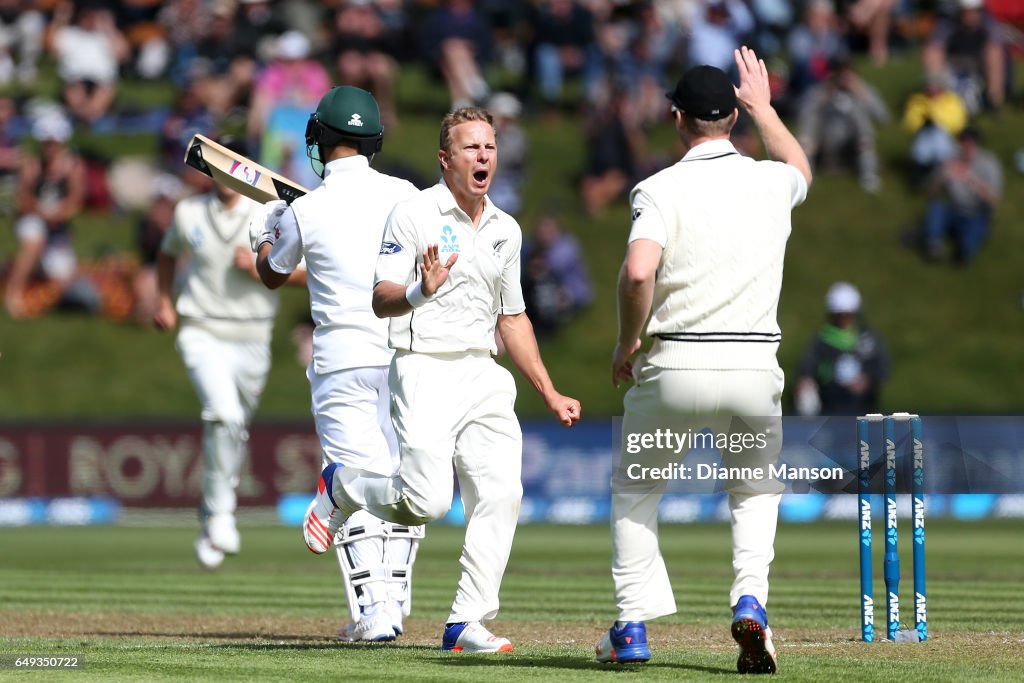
<point>624,643</point>
<point>750,630</point>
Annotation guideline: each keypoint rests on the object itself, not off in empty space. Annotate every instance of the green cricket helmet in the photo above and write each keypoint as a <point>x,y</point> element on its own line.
<point>345,115</point>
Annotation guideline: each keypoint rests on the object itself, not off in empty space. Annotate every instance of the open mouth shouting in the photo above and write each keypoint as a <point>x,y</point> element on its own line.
<point>481,178</point>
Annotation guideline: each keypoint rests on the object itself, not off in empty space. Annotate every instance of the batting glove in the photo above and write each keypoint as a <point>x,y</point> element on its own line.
<point>263,226</point>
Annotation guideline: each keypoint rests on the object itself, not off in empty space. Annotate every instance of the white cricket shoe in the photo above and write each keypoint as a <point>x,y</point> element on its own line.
<point>373,627</point>
<point>395,611</point>
<point>223,534</point>
<point>208,556</point>
<point>472,637</point>
<point>323,517</point>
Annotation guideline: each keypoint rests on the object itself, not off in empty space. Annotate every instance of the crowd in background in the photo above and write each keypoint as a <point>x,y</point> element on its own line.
<point>258,67</point>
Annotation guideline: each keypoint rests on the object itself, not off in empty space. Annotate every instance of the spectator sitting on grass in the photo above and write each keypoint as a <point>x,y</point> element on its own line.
<point>51,190</point>
<point>366,49</point>
<point>836,124</point>
<point>965,191</point>
<point>21,40</point>
<point>10,154</point>
<point>970,47</point>
<point>285,92</point>
<point>563,255</point>
<point>457,41</point>
<point>89,52</point>
<point>934,116</point>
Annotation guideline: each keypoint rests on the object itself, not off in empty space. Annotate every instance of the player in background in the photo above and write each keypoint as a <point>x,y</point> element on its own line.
<point>337,228</point>
<point>704,262</point>
<point>447,275</point>
<point>225,319</point>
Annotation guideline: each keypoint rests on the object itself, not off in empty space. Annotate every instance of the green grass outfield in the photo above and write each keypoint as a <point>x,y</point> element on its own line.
<point>133,602</point>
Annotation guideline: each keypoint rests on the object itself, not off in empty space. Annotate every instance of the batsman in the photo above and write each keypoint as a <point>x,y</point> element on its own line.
<point>337,228</point>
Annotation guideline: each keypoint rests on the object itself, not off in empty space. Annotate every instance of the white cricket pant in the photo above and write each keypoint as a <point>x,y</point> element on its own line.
<point>228,377</point>
<point>453,408</point>
<point>352,413</point>
<point>642,587</point>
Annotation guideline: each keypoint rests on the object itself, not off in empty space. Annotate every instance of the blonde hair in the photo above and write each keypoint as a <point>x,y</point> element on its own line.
<point>702,128</point>
<point>463,115</point>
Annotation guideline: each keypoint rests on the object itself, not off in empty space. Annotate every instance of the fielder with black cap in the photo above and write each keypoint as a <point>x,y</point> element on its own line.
<point>704,262</point>
<point>338,228</point>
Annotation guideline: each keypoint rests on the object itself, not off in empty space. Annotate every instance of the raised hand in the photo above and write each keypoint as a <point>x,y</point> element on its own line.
<point>433,273</point>
<point>755,91</point>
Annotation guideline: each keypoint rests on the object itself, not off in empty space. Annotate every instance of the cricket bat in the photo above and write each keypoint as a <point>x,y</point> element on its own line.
<point>240,173</point>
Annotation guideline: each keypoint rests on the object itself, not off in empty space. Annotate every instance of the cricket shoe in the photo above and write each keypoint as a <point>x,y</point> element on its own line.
<point>208,556</point>
<point>624,643</point>
<point>373,627</point>
<point>223,534</point>
<point>395,611</point>
<point>323,517</point>
<point>472,637</point>
<point>750,630</point>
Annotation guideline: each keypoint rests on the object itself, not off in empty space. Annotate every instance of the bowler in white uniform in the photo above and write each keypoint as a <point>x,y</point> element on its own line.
<point>704,262</point>
<point>447,275</point>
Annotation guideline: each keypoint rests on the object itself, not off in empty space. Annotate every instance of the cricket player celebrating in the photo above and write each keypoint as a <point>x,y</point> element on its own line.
<point>226,320</point>
<point>447,274</point>
<point>338,228</point>
<point>705,255</point>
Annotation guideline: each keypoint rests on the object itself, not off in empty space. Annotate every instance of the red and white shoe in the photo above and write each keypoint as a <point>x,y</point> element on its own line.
<point>472,637</point>
<point>323,517</point>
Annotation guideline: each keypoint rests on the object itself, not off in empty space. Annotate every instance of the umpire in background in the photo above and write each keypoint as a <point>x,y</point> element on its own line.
<point>705,263</point>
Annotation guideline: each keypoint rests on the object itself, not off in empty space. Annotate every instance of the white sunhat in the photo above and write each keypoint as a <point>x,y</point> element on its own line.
<point>292,45</point>
<point>52,125</point>
<point>505,104</point>
<point>842,297</point>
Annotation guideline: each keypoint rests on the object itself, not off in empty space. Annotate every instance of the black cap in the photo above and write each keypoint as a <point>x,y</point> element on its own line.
<point>704,92</point>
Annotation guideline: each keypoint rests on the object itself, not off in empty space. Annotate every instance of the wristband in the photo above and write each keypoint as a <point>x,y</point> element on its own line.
<point>415,296</point>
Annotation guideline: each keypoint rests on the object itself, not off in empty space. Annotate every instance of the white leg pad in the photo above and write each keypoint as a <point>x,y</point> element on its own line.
<point>402,544</point>
<point>360,546</point>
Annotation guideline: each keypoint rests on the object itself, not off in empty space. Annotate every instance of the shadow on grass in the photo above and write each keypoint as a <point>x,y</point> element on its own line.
<point>570,663</point>
<point>266,641</point>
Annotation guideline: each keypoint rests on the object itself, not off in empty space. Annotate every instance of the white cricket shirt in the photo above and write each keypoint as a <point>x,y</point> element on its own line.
<point>483,284</point>
<point>215,294</point>
<point>723,220</point>
<point>337,228</point>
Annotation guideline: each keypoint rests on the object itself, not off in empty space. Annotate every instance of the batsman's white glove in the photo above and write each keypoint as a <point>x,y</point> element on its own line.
<point>263,224</point>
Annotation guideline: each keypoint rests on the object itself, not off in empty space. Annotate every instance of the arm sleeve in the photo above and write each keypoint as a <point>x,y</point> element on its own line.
<point>399,250</point>
<point>510,295</point>
<point>797,185</point>
<point>286,253</point>
<point>173,241</point>
<point>648,223</point>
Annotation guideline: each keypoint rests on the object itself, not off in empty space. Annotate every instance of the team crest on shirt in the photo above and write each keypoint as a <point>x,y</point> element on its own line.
<point>498,244</point>
<point>195,236</point>
<point>449,241</point>
<point>390,248</point>
<point>637,213</point>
